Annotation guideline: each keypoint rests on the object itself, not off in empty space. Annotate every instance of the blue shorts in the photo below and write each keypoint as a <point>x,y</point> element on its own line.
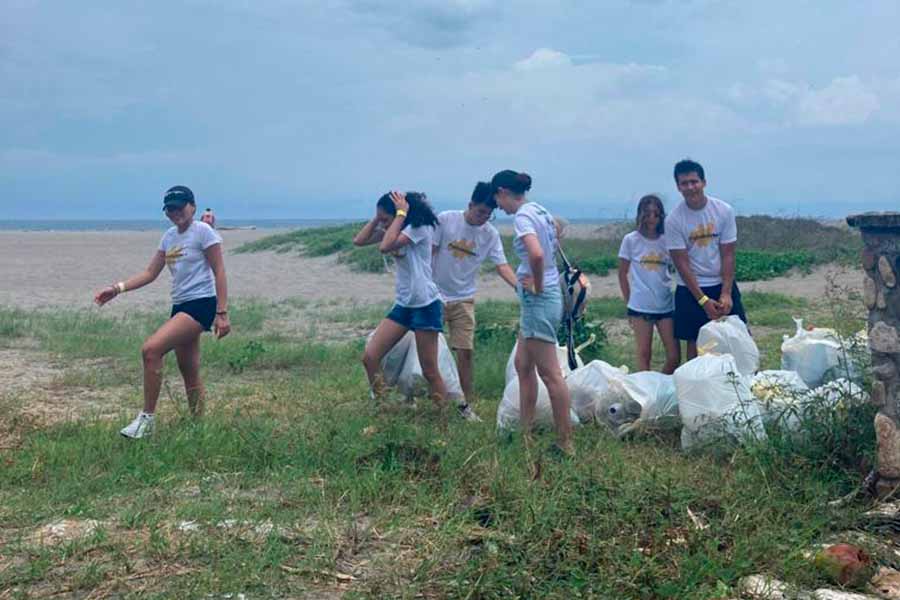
<point>541,314</point>
<point>423,318</point>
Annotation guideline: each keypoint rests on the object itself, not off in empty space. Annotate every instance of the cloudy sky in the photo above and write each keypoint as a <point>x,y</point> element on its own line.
<point>276,108</point>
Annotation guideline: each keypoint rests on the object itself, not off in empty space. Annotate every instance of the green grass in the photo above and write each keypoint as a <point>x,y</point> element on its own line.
<point>398,501</point>
<point>767,247</point>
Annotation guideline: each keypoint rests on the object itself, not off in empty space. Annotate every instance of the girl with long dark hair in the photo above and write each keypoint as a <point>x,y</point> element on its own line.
<point>403,226</point>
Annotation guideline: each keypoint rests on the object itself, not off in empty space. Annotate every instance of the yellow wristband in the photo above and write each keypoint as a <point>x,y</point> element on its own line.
<point>703,300</point>
<point>401,213</point>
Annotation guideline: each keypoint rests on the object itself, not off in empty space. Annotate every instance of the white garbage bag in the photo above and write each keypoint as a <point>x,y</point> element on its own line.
<point>589,387</point>
<point>782,396</point>
<point>811,353</point>
<point>561,355</point>
<point>654,392</point>
<point>392,363</point>
<point>729,335</point>
<point>509,417</point>
<point>412,382</point>
<point>714,399</point>
<point>401,368</point>
<point>840,393</point>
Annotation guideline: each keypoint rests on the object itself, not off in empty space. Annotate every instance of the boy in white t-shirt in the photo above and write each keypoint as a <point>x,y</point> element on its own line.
<point>644,266</point>
<point>463,240</point>
<point>701,235</point>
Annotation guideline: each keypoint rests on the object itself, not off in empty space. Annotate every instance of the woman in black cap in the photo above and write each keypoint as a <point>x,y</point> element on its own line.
<point>193,252</point>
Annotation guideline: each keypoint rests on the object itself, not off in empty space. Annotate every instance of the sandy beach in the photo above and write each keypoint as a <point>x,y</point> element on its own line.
<point>64,269</point>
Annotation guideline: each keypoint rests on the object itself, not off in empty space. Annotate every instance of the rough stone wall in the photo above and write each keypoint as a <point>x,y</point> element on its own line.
<point>881,261</point>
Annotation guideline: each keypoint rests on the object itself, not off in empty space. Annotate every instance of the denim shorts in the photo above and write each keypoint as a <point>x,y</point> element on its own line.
<point>423,318</point>
<point>541,314</point>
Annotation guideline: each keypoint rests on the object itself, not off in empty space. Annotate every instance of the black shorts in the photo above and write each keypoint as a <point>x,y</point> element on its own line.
<point>202,310</point>
<point>690,316</point>
<point>651,317</point>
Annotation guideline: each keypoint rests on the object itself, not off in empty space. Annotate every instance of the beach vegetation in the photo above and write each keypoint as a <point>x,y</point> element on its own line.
<point>295,485</point>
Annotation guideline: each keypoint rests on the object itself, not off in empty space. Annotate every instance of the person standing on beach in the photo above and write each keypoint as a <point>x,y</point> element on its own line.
<point>209,218</point>
<point>541,304</point>
<point>193,252</point>
<point>701,235</point>
<point>463,240</point>
<point>646,284</point>
<point>403,226</point>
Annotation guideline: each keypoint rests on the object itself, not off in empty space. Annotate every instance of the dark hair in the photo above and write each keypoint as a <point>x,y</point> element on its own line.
<point>517,183</point>
<point>646,201</point>
<point>484,194</point>
<point>683,167</point>
<point>419,213</point>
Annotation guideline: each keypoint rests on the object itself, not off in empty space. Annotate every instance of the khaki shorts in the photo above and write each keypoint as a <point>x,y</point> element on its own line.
<point>459,318</point>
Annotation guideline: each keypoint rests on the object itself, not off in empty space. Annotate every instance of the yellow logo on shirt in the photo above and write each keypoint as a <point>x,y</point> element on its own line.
<point>653,261</point>
<point>461,249</point>
<point>173,255</point>
<point>703,235</point>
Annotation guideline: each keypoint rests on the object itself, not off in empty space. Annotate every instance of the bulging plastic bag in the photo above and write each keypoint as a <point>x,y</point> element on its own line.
<point>655,393</point>
<point>589,388</point>
<point>401,368</point>
<point>811,353</point>
<point>715,400</point>
<point>729,335</point>
<point>509,417</point>
<point>782,396</point>
<point>561,355</point>
<point>840,393</point>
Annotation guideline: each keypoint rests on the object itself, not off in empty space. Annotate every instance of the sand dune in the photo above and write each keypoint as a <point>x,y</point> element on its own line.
<point>64,269</point>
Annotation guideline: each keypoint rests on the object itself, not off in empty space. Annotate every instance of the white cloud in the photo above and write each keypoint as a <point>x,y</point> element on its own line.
<point>845,101</point>
<point>543,58</point>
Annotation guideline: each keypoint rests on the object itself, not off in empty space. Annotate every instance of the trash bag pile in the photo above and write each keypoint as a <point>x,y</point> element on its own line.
<point>721,393</point>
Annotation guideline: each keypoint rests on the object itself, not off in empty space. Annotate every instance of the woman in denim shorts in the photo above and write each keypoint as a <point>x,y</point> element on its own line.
<point>403,226</point>
<point>541,304</point>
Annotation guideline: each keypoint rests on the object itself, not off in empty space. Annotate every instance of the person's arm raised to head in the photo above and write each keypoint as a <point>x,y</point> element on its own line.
<point>148,275</point>
<point>393,239</point>
<point>369,234</point>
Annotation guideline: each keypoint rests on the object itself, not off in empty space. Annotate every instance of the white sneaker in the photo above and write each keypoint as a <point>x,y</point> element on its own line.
<point>141,426</point>
<point>466,412</point>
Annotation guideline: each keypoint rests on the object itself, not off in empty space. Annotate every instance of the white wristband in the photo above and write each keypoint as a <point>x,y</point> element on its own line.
<point>120,287</point>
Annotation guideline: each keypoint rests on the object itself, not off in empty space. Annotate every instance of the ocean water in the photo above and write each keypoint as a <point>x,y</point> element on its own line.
<point>157,224</point>
<point>163,224</point>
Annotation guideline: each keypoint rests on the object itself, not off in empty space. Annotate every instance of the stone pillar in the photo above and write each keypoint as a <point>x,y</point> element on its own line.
<point>881,261</point>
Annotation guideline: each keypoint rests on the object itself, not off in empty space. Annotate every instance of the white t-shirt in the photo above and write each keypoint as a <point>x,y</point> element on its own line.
<point>415,287</point>
<point>648,273</point>
<point>192,277</point>
<point>461,248</point>
<point>700,232</point>
<point>532,218</point>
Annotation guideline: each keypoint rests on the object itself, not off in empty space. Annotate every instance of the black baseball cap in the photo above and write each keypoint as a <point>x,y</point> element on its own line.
<point>178,196</point>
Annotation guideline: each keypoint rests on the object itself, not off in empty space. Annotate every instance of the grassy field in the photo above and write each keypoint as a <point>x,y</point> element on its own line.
<point>768,247</point>
<point>294,486</point>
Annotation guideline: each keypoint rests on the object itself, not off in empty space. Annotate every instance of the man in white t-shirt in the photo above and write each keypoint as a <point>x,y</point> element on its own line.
<point>701,235</point>
<point>463,240</point>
